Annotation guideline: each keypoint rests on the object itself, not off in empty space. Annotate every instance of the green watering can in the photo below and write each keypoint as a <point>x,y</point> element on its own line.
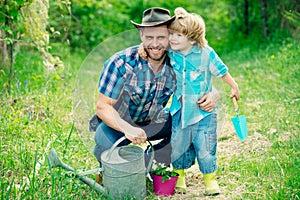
<point>239,122</point>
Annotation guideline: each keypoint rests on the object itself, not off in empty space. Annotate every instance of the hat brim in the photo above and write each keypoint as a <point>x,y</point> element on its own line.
<point>153,24</point>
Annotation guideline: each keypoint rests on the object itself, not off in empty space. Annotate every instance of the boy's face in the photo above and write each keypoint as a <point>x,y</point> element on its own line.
<point>180,42</point>
<point>155,41</point>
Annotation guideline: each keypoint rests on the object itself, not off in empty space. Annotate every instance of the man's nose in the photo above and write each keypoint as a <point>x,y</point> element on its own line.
<point>155,43</point>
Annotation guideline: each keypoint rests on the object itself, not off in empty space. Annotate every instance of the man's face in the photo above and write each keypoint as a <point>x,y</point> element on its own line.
<point>155,41</point>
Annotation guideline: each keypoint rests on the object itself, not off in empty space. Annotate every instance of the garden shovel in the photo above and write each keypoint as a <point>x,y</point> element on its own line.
<point>239,123</point>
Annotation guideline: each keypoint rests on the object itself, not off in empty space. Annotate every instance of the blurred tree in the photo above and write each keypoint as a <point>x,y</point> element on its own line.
<point>35,25</point>
<point>283,17</point>
<point>263,19</point>
<point>9,34</point>
<point>9,29</point>
<point>60,15</point>
<point>83,24</point>
<point>246,17</point>
<point>93,21</point>
<point>24,22</point>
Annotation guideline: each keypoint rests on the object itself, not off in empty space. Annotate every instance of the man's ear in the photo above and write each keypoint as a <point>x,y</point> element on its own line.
<point>193,42</point>
<point>141,32</point>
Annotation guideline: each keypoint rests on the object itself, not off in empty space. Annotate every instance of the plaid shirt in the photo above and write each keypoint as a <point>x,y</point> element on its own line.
<point>141,95</point>
<point>194,73</point>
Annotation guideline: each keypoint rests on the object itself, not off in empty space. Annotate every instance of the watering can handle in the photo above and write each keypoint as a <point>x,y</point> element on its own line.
<point>151,158</point>
<point>121,140</point>
<point>115,145</point>
<point>236,107</point>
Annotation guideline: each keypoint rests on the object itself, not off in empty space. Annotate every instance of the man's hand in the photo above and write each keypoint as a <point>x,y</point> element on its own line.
<point>209,101</point>
<point>135,135</point>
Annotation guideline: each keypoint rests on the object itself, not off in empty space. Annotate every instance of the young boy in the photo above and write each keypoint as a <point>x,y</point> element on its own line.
<point>194,130</point>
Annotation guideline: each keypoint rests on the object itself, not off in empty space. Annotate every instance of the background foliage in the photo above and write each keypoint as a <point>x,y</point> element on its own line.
<point>93,21</point>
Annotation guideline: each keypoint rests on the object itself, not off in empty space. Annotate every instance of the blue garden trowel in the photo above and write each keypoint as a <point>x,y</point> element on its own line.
<point>239,122</point>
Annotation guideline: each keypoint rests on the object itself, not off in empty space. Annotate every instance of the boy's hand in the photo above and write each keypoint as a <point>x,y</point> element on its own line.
<point>235,93</point>
<point>142,53</point>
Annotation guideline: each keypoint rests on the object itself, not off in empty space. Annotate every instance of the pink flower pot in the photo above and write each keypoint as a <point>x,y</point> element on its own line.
<point>164,188</point>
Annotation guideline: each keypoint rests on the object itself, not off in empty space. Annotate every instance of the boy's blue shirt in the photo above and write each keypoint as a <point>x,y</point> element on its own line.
<point>194,73</point>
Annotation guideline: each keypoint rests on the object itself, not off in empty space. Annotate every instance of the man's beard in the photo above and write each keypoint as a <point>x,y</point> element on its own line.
<point>156,59</point>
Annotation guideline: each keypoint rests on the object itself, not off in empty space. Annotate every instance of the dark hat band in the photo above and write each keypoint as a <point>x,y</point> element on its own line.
<point>154,17</point>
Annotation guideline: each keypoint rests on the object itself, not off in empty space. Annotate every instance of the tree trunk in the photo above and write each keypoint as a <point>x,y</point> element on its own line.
<point>246,17</point>
<point>264,14</point>
<point>3,46</point>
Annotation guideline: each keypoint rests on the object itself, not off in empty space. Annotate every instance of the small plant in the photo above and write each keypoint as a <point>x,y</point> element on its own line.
<point>161,169</point>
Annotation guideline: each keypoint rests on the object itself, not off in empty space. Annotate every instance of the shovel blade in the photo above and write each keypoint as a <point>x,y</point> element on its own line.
<point>240,126</point>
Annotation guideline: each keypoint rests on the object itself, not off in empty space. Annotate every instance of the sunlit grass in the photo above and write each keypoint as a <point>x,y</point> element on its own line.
<point>269,81</point>
<point>37,116</point>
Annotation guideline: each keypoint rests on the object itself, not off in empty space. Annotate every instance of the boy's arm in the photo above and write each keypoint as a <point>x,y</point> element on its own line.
<point>227,78</point>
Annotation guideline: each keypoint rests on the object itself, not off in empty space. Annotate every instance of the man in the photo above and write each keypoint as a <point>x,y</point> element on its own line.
<point>133,92</point>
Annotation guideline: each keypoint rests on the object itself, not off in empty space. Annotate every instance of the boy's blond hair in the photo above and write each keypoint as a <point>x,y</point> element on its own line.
<point>191,25</point>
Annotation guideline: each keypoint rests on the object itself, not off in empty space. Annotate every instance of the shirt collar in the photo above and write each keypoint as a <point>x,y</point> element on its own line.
<point>144,66</point>
<point>195,49</point>
<point>166,68</point>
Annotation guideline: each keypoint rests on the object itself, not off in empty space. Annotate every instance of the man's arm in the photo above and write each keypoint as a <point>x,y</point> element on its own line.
<point>209,101</point>
<point>108,114</point>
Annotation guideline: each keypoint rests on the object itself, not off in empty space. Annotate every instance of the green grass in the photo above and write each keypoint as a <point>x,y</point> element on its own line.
<point>269,80</point>
<point>37,116</point>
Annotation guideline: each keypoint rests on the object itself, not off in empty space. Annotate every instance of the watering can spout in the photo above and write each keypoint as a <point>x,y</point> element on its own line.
<point>53,159</point>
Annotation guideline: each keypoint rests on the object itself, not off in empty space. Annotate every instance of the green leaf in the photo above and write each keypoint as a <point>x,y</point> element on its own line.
<point>8,40</point>
<point>165,178</point>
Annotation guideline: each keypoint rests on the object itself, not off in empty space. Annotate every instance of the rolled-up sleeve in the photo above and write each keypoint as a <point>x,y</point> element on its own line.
<point>216,65</point>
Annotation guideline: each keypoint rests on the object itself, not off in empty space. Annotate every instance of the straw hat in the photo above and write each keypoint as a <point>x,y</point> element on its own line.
<point>154,17</point>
